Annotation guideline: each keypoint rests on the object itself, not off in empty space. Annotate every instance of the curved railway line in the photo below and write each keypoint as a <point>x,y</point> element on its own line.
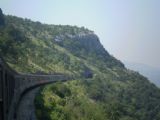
<point>14,86</point>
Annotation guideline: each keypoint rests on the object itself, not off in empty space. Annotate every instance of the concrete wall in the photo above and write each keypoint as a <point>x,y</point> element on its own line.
<point>26,82</point>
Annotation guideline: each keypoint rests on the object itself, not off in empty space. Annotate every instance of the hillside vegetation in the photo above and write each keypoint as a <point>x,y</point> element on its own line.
<point>103,88</point>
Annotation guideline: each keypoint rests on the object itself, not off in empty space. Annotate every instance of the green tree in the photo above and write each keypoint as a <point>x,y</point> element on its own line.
<point>2,21</point>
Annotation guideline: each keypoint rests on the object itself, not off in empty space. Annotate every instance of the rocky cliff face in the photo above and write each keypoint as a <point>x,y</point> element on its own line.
<point>88,45</point>
<point>88,42</point>
<point>91,43</point>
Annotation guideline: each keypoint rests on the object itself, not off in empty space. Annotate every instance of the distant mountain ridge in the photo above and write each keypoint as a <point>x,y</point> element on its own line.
<point>152,73</point>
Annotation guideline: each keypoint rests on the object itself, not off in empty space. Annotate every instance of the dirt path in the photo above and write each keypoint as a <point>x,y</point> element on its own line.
<point>26,110</point>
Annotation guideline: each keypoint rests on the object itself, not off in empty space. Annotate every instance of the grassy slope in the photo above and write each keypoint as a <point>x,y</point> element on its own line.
<point>113,93</point>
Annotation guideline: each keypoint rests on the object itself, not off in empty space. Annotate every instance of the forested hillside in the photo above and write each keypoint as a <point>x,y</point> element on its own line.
<point>103,88</point>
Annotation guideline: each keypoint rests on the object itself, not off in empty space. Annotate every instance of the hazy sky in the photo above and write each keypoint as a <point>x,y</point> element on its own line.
<point>128,29</point>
